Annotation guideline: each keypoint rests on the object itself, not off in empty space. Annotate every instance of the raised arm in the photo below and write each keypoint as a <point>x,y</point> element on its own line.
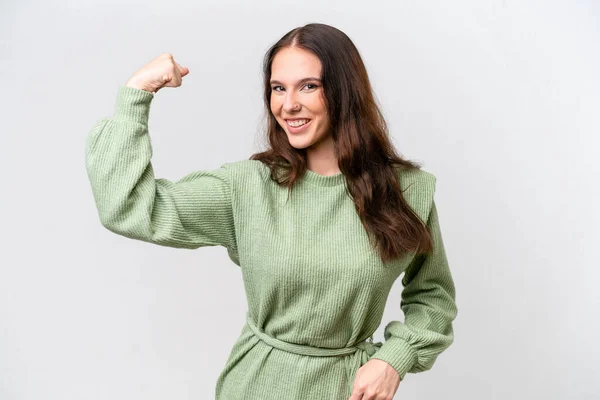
<point>428,303</point>
<point>192,212</point>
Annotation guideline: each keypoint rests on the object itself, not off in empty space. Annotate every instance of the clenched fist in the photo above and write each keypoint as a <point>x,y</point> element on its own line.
<point>158,73</point>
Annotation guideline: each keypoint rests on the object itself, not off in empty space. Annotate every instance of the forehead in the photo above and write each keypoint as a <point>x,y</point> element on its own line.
<point>292,64</point>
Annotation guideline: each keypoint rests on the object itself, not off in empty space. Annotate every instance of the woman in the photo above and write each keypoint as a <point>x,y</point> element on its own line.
<point>317,261</point>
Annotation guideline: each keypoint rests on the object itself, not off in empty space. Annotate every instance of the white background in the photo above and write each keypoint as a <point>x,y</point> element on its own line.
<point>498,99</point>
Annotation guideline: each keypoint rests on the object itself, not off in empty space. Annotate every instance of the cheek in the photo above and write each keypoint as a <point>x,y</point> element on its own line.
<point>320,109</point>
<point>274,112</point>
<point>273,103</point>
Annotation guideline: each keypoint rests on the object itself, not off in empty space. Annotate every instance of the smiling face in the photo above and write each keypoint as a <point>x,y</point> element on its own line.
<point>297,96</point>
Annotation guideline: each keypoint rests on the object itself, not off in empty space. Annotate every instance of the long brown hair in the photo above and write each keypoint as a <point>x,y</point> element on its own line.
<point>365,153</point>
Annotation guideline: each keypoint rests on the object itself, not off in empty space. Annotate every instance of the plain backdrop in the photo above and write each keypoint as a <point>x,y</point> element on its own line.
<point>498,99</point>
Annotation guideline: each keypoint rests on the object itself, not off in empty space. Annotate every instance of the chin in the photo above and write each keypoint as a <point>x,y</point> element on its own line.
<point>299,143</point>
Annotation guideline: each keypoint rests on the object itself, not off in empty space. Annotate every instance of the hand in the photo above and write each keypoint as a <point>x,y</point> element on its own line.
<point>376,380</point>
<point>158,73</point>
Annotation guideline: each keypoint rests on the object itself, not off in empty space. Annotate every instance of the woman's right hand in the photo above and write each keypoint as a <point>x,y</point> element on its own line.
<point>158,73</point>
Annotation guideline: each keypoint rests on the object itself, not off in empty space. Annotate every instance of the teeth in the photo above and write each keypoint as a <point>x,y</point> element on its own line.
<point>298,123</point>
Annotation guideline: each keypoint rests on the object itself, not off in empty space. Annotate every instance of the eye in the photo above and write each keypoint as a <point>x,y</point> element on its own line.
<point>314,86</point>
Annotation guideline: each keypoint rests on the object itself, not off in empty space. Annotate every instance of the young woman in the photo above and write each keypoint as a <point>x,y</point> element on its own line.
<point>321,225</point>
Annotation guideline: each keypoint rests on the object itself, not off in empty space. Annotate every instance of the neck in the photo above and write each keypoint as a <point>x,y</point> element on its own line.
<point>321,158</point>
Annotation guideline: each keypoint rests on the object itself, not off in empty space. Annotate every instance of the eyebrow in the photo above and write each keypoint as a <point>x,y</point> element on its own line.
<point>299,82</point>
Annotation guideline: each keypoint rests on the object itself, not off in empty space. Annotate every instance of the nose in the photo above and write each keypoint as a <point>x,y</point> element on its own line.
<point>290,104</point>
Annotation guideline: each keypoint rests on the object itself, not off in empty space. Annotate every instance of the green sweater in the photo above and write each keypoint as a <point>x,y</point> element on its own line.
<point>316,291</point>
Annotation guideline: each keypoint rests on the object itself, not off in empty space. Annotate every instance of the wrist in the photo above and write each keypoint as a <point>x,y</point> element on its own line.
<point>138,85</point>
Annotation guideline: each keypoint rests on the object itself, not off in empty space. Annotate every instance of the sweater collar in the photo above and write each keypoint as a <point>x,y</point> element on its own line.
<point>323,180</point>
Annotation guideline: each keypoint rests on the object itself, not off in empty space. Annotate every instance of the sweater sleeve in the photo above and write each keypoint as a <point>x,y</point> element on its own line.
<point>192,212</point>
<point>429,307</point>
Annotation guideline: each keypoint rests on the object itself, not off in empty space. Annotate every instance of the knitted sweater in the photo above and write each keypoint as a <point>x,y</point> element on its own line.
<point>316,290</point>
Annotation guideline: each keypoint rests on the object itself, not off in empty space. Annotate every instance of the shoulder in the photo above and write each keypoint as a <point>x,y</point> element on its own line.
<point>418,188</point>
<point>247,173</point>
<point>420,176</point>
<point>245,167</point>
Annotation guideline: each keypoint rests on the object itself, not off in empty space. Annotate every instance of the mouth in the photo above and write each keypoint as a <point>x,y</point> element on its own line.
<point>298,129</point>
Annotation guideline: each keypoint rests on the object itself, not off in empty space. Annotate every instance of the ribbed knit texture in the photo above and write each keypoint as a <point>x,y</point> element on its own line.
<point>316,290</point>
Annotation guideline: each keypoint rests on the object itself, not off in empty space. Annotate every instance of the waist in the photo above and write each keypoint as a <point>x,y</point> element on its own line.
<point>368,347</point>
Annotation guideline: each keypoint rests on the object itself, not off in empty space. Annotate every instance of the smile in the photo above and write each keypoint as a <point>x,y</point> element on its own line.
<point>300,128</point>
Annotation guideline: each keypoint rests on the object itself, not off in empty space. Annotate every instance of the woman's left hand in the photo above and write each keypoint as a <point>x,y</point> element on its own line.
<point>376,380</point>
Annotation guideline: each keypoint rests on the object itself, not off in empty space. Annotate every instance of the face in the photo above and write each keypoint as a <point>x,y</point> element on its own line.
<point>297,95</point>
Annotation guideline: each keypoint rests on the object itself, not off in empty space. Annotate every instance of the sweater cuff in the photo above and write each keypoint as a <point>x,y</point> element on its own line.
<point>398,353</point>
<point>133,104</point>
